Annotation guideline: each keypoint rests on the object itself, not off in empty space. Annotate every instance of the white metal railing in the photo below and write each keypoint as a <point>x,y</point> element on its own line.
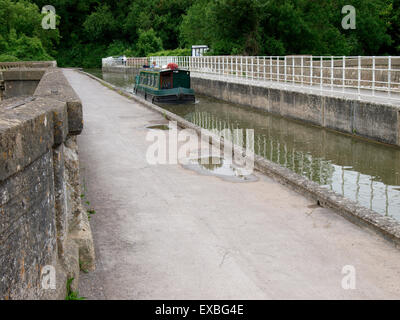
<point>372,76</point>
<point>129,62</point>
<point>359,75</point>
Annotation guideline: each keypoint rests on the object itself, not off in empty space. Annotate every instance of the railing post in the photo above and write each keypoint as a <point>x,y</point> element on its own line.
<point>343,72</point>
<point>311,71</point>
<point>265,76</point>
<point>373,76</point>
<point>293,71</point>
<point>389,75</point>
<point>321,72</point>
<point>270,68</point>
<point>252,67</point>
<point>236,66</point>
<point>302,70</point>
<point>285,70</point>
<point>241,66</point>
<point>277,68</point>
<point>247,62</point>
<point>258,68</point>
<point>359,78</point>
<point>332,73</point>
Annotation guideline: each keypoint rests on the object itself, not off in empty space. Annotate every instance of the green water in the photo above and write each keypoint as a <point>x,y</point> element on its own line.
<point>121,80</point>
<point>363,171</point>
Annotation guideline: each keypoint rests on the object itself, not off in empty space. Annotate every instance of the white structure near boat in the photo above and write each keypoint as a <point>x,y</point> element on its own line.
<point>199,50</point>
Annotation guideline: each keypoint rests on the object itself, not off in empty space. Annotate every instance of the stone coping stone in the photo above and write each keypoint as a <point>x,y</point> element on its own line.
<point>22,74</point>
<point>54,85</point>
<point>387,227</point>
<point>28,129</point>
<point>27,64</point>
<point>29,126</point>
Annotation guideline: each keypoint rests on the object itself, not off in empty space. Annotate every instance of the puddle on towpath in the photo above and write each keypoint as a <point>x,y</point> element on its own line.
<point>159,127</point>
<point>219,167</point>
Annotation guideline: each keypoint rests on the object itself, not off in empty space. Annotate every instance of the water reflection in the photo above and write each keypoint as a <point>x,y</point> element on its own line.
<point>366,172</point>
<point>122,80</point>
<point>220,167</point>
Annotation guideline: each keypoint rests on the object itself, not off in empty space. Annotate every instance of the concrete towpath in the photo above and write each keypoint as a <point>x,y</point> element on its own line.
<point>165,232</point>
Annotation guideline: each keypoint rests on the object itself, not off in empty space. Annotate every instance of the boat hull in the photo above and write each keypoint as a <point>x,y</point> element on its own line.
<point>176,95</point>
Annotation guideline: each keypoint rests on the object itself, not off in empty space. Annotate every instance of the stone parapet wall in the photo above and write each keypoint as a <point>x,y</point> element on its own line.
<point>42,221</point>
<point>27,64</point>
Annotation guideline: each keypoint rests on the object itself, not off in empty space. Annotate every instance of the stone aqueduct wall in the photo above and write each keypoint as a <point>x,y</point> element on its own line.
<point>42,221</point>
<point>374,121</point>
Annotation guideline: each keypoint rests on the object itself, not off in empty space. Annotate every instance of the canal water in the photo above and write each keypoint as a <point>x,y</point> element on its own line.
<point>363,171</point>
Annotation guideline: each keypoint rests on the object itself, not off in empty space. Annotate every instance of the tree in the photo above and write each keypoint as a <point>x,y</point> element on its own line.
<point>91,29</point>
<point>24,38</point>
<point>148,42</point>
<point>100,25</point>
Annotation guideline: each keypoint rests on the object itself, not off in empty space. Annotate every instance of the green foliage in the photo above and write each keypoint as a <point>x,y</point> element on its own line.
<point>175,52</point>
<point>72,295</point>
<point>89,30</point>
<point>279,27</point>
<point>82,267</point>
<point>83,55</point>
<point>100,25</point>
<point>147,42</point>
<point>392,16</point>
<point>195,25</point>
<point>164,17</point>
<point>26,48</point>
<point>21,34</point>
<point>8,58</point>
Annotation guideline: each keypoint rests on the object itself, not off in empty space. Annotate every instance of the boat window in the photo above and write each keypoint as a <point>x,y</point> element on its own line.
<point>166,81</point>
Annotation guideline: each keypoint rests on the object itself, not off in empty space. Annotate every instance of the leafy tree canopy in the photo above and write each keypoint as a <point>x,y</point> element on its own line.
<point>91,29</point>
<point>21,34</point>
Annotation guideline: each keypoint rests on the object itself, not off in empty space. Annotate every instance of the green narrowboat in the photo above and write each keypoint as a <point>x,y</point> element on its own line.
<point>164,85</point>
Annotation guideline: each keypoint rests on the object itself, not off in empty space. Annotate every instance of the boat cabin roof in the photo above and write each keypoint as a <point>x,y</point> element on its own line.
<point>152,70</point>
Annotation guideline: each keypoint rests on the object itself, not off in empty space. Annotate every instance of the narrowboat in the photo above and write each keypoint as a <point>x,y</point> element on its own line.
<point>164,85</point>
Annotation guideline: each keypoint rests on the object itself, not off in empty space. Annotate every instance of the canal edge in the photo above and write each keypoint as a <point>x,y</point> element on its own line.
<point>384,226</point>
